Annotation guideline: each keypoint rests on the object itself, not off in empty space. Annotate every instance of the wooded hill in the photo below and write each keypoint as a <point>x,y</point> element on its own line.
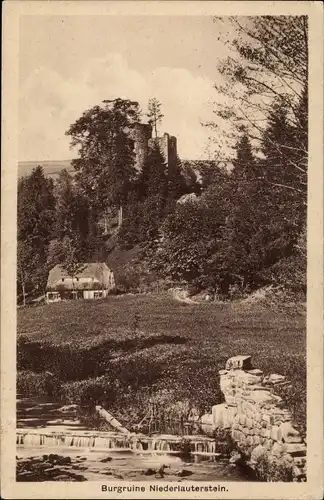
<point>242,230</point>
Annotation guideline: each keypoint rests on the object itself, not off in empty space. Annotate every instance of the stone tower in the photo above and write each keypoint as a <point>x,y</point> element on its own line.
<point>140,133</point>
<point>168,147</point>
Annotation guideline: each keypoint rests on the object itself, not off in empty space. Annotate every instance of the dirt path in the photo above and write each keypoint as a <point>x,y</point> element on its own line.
<point>182,296</point>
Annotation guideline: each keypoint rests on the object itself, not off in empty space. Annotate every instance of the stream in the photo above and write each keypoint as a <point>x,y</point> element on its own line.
<point>53,445</point>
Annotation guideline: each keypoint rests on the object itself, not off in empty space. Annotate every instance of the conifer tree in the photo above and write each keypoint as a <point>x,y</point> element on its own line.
<point>153,179</point>
<point>154,114</point>
<point>35,224</point>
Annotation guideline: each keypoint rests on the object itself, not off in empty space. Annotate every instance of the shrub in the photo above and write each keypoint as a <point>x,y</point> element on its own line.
<point>66,361</point>
<point>135,372</point>
<point>274,470</point>
<point>43,384</point>
<point>224,442</point>
<point>89,393</point>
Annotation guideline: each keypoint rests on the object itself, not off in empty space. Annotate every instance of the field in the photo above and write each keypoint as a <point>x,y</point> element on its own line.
<point>153,346</point>
<point>51,168</point>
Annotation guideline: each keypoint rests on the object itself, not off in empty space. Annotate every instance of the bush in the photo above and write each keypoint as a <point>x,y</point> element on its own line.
<point>274,470</point>
<point>224,442</point>
<point>43,384</point>
<point>135,372</point>
<point>89,393</point>
<point>66,361</point>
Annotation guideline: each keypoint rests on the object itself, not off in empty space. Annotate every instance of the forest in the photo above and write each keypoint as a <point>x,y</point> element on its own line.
<point>238,230</point>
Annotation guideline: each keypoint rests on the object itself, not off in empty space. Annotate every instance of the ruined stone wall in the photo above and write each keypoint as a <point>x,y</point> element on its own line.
<point>168,147</point>
<point>259,425</point>
<point>140,133</point>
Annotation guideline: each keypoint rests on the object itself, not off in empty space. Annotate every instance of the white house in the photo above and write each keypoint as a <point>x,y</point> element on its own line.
<point>90,281</point>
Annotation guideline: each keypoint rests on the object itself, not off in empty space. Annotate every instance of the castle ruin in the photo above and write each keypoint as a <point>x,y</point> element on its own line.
<point>141,134</point>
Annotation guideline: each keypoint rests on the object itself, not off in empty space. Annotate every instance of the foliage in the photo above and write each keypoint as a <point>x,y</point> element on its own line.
<point>90,392</point>
<point>31,384</point>
<point>274,470</point>
<point>35,219</point>
<point>224,442</point>
<point>105,167</point>
<point>156,190</point>
<point>154,114</point>
<point>268,63</point>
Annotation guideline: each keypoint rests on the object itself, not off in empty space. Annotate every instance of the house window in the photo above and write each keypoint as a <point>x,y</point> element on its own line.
<point>77,279</point>
<point>62,279</point>
<point>97,295</point>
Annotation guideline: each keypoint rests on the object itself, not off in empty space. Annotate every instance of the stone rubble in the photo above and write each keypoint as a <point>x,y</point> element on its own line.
<point>259,424</point>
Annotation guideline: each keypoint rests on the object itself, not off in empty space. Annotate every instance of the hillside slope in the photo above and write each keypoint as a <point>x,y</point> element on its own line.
<point>51,168</point>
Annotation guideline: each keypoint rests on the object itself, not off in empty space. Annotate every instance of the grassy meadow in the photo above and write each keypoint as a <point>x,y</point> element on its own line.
<point>125,350</point>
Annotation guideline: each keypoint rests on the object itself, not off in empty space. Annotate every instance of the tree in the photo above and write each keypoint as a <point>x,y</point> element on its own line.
<point>268,63</point>
<point>71,263</point>
<point>153,177</point>
<point>105,166</point>
<point>36,209</point>
<point>25,267</point>
<point>244,164</point>
<point>146,207</point>
<point>154,114</point>
<point>35,224</point>
<point>66,253</point>
<point>190,176</point>
<point>176,182</point>
<point>65,204</point>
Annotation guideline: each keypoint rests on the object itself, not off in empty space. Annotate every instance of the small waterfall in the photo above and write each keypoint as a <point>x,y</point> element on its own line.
<point>163,444</point>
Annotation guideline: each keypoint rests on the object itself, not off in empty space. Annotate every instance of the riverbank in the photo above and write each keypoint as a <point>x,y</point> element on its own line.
<point>126,351</point>
<point>82,465</point>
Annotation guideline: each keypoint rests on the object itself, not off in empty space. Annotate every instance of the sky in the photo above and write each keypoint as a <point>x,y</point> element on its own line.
<point>69,64</point>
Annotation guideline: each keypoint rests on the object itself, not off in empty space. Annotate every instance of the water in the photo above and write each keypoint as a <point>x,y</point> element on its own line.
<point>42,429</point>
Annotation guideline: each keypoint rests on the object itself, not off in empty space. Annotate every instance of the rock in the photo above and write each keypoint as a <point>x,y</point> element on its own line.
<point>249,440</point>
<point>276,433</point>
<point>62,477</point>
<point>258,453</point>
<point>267,418</point>
<point>161,472</point>
<point>299,461</point>
<point>247,378</point>
<point>207,424</point>
<point>239,363</point>
<point>64,460</point>
<point>256,440</point>
<point>53,457</point>
<point>218,415</point>
<point>289,434</point>
<point>242,419</point>
<point>236,458</point>
<point>107,459</point>
<point>275,378</point>
<point>183,473</point>
<point>262,396</point>
<point>277,449</point>
<point>297,472</point>
<point>249,423</point>
<point>149,472</point>
<point>295,449</point>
